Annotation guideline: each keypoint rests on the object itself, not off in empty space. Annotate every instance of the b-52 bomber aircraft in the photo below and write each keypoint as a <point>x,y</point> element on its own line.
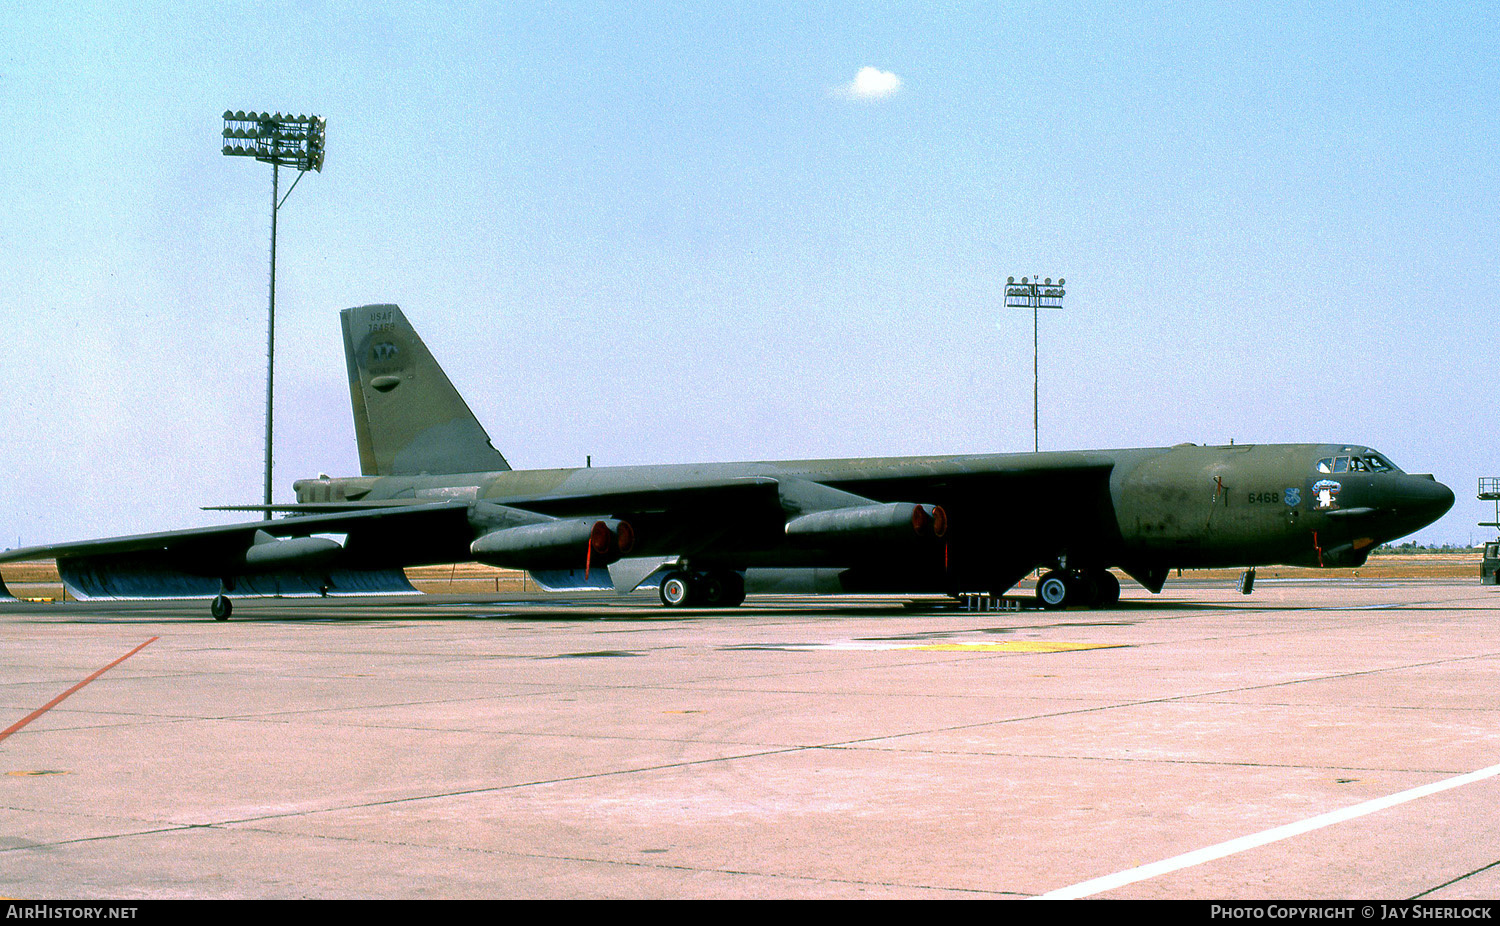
<point>435,490</point>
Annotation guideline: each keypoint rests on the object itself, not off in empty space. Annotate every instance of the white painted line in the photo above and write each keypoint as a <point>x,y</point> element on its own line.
<point>1233,846</point>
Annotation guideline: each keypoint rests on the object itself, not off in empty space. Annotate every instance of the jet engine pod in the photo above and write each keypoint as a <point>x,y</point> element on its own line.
<point>930,521</point>
<point>610,540</point>
<point>562,544</point>
<point>268,553</point>
<point>893,521</point>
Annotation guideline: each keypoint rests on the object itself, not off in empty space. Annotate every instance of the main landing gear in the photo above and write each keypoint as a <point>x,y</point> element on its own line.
<point>717,588</point>
<point>1065,588</point>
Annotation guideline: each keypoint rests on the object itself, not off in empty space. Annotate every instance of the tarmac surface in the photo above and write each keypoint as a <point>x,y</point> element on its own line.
<point>1318,739</point>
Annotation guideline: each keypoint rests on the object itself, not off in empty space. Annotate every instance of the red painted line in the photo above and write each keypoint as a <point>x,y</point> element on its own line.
<point>59,699</point>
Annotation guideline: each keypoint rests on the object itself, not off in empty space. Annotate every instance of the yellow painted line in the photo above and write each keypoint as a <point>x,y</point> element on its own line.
<point>1015,647</point>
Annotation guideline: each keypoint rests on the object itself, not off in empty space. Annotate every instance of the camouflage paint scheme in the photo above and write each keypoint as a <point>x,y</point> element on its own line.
<point>434,490</point>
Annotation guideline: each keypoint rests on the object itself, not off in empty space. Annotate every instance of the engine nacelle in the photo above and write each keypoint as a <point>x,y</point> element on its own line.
<point>561,544</point>
<point>269,553</point>
<point>897,521</point>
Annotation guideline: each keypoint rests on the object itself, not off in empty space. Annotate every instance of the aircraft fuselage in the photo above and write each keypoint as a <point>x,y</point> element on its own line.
<point>1145,511</point>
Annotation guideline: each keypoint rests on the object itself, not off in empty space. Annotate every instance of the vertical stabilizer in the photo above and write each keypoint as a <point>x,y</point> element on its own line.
<point>408,418</point>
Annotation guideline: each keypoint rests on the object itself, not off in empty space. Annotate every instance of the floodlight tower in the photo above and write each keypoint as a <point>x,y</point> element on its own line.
<point>1029,294</point>
<point>281,141</point>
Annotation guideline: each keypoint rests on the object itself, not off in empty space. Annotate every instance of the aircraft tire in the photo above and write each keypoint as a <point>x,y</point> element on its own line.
<point>221,608</point>
<point>734,590</point>
<point>1053,590</point>
<point>1107,589</point>
<point>722,588</point>
<point>676,590</point>
<point>710,590</point>
<point>1082,590</point>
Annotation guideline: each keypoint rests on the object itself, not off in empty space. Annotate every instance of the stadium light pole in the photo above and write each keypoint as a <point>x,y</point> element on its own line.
<point>1029,294</point>
<point>281,141</point>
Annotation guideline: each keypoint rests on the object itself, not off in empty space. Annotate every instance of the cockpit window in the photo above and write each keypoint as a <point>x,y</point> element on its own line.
<point>1366,463</point>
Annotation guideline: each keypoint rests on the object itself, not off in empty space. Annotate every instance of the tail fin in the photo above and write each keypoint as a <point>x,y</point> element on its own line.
<point>408,418</point>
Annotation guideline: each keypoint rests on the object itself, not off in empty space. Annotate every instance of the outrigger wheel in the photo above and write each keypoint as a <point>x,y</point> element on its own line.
<point>221,608</point>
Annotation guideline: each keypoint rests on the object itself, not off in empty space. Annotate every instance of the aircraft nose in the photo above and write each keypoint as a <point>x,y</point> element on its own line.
<point>1426,498</point>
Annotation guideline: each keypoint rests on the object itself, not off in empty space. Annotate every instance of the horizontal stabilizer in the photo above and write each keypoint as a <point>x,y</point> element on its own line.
<point>318,507</point>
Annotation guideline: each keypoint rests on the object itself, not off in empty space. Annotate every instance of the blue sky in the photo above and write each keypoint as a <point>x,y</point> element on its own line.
<point>673,233</point>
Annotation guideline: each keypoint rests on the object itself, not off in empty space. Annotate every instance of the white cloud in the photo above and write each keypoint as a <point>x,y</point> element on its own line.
<point>870,84</point>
